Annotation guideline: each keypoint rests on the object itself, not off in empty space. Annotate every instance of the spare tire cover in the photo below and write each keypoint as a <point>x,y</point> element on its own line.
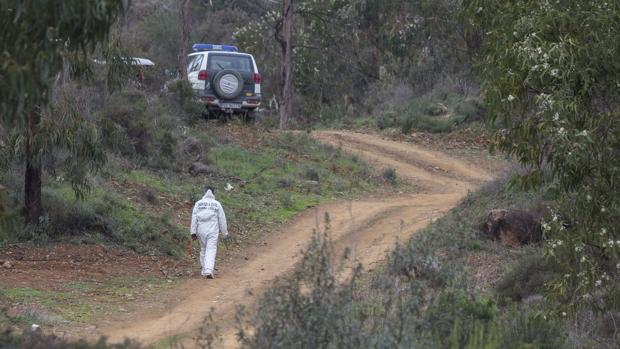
<point>228,84</point>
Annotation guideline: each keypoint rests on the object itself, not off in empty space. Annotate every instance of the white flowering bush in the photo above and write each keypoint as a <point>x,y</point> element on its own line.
<point>552,83</point>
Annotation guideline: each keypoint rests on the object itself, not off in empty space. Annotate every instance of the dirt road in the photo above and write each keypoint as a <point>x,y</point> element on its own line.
<point>369,227</point>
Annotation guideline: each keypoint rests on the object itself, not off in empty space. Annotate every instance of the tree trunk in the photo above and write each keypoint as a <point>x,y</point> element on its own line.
<point>184,37</point>
<point>286,43</point>
<point>32,181</point>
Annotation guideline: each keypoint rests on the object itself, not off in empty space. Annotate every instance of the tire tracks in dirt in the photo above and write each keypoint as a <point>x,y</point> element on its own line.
<point>369,227</point>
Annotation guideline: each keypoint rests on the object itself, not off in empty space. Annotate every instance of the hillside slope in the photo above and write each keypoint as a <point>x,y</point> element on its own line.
<point>368,226</point>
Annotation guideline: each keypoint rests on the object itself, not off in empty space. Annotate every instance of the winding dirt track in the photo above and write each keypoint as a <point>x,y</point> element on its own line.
<point>368,226</point>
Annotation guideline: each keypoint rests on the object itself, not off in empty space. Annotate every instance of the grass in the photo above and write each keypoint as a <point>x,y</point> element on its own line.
<point>107,216</point>
<point>170,342</point>
<point>149,179</point>
<point>289,174</point>
<point>84,302</point>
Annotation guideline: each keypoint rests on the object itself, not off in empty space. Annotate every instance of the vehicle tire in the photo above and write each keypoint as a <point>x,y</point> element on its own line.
<point>228,84</point>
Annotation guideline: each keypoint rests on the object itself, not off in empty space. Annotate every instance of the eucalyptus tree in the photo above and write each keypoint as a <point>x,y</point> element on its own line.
<point>38,39</point>
<point>342,47</point>
<point>184,37</point>
<point>552,84</point>
<point>284,35</point>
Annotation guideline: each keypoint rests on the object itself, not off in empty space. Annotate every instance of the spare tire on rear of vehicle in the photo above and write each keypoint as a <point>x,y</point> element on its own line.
<point>228,84</point>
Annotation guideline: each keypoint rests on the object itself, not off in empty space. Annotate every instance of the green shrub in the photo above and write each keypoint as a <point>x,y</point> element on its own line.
<point>388,119</point>
<point>36,339</point>
<point>114,137</point>
<point>331,115</point>
<point>64,216</point>
<point>182,90</point>
<point>103,216</point>
<point>305,310</point>
<point>470,110</point>
<point>68,217</point>
<point>528,328</point>
<point>312,174</point>
<point>433,124</point>
<point>389,175</point>
<point>149,132</point>
<point>286,200</point>
<point>454,315</point>
<point>183,98</point>
<point>528,277</point>
<point>136,229</point>
<point>465,321</point>
<point>425,114</point>
<point>407,126</point>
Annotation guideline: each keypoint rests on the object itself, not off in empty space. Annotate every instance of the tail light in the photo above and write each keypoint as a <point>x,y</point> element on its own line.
<point>202,75</point>
<point>257,78</point>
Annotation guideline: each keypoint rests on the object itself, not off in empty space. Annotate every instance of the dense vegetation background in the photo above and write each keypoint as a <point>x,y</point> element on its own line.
<point>353,59</point>
<point>544,75</point>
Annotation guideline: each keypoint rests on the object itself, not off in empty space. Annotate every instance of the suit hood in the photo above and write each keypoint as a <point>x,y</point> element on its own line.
<point>209,195</point>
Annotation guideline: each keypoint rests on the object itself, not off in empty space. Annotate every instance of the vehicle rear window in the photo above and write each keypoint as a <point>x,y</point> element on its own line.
<point>238,63</point>
<point>194,63</point>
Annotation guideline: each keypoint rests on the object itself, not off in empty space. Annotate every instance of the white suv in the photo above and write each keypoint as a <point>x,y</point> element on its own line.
<point>226,80</point>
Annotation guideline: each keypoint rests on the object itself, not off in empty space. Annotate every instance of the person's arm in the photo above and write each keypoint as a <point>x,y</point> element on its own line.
<point>221,218</point>
<point>194,227</point>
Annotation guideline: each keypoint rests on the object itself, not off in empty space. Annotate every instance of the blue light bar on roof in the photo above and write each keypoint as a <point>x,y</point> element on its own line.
<point>211,47</point>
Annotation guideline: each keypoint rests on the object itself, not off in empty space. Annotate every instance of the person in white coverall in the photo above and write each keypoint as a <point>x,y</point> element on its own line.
<point>208,221</point>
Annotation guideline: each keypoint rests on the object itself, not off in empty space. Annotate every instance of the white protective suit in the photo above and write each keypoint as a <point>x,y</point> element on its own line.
<point>208,221</point>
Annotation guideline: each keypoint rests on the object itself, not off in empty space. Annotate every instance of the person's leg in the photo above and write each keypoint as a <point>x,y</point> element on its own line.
<point>209,261</point>
<point>203,251</point>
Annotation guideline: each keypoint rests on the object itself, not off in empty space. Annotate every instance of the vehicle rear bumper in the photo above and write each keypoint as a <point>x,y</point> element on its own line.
<point>240,103</point>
